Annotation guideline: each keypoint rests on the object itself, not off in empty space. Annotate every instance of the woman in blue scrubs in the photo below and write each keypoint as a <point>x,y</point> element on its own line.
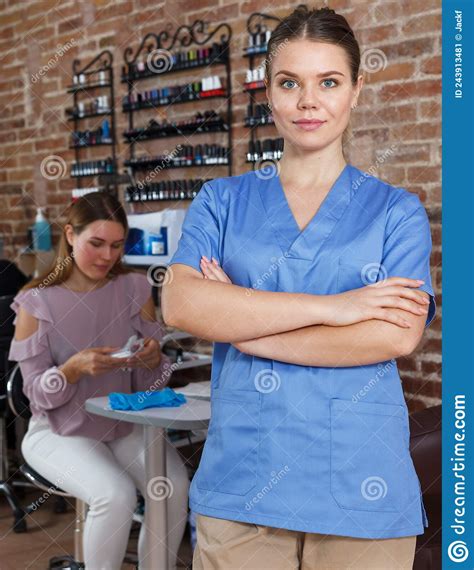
<point>311,277</point>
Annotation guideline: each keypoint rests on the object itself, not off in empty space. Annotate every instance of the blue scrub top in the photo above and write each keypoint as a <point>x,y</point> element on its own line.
<point>308,448</point>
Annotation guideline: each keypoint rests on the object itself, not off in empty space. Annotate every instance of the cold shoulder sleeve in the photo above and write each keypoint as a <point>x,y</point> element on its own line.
<point>139,294</point>
<point>43,384</point>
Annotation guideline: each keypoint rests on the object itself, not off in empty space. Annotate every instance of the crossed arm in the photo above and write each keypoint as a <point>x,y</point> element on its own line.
<point>296,328</point>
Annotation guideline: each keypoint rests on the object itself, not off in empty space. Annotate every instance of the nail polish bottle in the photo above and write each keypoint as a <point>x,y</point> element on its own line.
<point>250,151</point>
<point>198,154</point>
<point>268,34</point>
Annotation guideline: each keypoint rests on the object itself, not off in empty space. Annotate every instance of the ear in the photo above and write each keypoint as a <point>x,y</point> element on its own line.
<point>267,91</point>
<point>357,90</point>
<point>69,233</point>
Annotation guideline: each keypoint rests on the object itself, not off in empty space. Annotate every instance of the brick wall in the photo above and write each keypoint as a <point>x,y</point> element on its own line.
<point>396,129</point>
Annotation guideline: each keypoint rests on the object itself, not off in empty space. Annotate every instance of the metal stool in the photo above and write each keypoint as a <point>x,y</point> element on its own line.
<point>20,406</point>
<point>7,487</point>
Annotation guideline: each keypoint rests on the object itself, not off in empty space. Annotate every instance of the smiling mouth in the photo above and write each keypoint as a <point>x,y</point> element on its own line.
<point>309,122</point>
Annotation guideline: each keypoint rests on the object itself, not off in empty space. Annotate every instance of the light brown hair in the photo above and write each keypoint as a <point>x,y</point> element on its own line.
<point>87,209</point>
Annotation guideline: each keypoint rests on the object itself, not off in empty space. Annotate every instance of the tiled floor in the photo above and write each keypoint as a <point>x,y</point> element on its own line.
<point>49,535</point>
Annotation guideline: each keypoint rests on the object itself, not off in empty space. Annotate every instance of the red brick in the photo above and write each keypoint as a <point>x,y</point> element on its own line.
<point>418,25</point>
<point>423,174</point>
<point>397,71</point>
<point>431,66</point>
<point>410,89</point>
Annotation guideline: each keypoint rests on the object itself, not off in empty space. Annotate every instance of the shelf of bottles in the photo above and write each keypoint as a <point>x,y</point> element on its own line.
<point>259,29</point>
<point>92,89</point>
<point>151,75</point>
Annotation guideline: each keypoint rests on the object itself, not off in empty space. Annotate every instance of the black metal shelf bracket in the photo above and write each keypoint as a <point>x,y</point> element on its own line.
<point>157,49</point>
<point>102,62</point>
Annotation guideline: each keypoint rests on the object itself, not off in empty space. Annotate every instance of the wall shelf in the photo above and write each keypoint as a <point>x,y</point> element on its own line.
<point>190,48</point>
<point>102,67</point>
<point>259,26</point>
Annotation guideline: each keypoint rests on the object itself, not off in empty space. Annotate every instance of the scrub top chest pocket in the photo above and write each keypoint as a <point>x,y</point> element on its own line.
<point>356,272</point>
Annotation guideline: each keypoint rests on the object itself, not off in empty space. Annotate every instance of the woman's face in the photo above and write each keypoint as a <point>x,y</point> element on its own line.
<point>97,248</point>
<point>311,80</point>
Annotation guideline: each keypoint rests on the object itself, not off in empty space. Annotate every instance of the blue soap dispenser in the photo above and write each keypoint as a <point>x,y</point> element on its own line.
<point>41,232</point>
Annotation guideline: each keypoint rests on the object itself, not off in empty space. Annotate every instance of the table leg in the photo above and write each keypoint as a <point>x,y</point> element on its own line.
<point>158,490</point>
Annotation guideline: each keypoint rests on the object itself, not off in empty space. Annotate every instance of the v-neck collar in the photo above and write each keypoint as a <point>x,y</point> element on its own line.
<point>296,243</point>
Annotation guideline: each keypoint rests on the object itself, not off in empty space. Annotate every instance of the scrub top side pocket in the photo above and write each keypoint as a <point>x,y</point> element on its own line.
<point>229,462</point>
<point>370,459</point>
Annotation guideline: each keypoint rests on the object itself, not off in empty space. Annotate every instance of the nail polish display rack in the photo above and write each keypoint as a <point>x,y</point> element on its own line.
<point>93,98</point>
<point>259,26</point>
<point>160,55</point>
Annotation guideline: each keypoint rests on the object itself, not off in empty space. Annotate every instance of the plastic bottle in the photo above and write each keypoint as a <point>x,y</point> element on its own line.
<point>41,232</point>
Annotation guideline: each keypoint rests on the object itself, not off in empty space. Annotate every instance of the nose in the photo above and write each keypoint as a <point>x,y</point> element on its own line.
<point>308,100</point>
<point>107,254</point>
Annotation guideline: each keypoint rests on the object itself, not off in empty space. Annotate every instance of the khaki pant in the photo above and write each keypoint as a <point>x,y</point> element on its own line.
<point>229,545</point>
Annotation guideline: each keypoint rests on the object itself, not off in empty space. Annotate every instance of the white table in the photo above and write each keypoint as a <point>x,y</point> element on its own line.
<point>198,390</point>
<point>194,414</point>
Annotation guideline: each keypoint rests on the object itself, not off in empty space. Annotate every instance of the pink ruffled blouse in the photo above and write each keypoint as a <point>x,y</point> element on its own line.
<point>68,322</point>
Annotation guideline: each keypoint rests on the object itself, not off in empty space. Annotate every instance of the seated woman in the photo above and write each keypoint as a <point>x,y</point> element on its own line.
<point>68,324</point>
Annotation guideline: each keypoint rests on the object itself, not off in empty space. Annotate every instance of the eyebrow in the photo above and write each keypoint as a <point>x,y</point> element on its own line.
<point>324,74</point>
<point>103,240</point>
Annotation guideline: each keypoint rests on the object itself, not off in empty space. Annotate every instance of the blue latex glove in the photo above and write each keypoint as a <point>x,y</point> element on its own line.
<point>165,398</point>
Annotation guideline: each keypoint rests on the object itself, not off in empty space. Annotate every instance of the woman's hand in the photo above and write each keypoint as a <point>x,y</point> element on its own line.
<point>92,362</point>
<point>149,357</point>
<point>375,301</point>
<point>371,302</point>
<point>213,271</point>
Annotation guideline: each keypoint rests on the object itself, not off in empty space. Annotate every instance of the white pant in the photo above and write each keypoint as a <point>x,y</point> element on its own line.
<point>105,476</point>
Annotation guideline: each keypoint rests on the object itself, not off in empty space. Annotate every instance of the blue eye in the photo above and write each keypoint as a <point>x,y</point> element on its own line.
<point>282,83</point>
<point>326,81</point>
